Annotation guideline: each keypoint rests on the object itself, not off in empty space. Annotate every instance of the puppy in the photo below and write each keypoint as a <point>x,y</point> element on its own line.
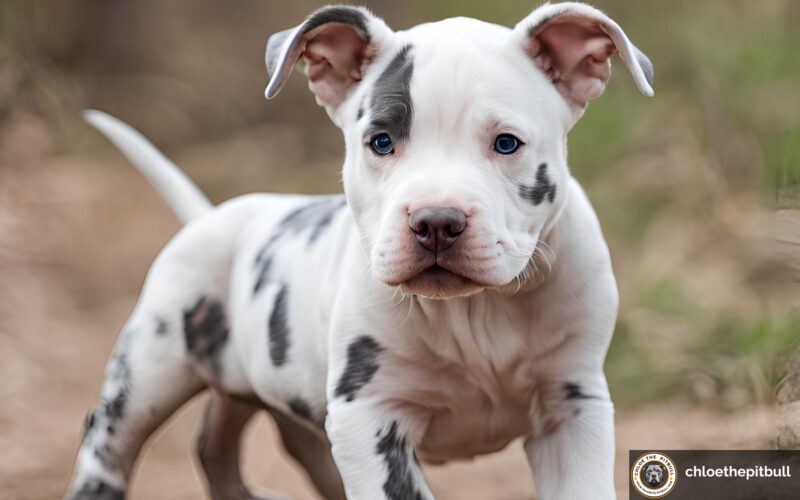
<point>458,296</point>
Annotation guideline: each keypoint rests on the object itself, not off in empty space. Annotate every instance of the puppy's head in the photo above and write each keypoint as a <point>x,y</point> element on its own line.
<point>455,131</point>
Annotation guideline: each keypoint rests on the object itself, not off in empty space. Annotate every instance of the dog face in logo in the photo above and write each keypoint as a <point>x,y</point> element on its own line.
<point>654,475</point>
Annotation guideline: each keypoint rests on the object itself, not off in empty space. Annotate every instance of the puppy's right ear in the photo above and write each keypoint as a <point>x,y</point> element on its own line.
<point>337,43</point>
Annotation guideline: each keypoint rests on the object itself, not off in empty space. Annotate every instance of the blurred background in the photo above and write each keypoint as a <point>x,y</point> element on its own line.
<point>686,186</point>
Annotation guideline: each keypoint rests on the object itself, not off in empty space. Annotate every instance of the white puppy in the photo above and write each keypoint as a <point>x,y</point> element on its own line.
<point>458,296</point>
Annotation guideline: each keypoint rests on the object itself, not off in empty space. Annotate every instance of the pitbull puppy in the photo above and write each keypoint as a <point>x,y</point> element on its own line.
<point>458,296</point>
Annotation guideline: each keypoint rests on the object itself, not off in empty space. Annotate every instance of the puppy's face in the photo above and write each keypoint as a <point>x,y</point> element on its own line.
<point>455,133</point>
<point>456,159</point>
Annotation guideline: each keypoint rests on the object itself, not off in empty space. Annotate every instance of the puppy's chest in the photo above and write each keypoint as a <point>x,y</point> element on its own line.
<point>471,419</point>
<point>480,386</point>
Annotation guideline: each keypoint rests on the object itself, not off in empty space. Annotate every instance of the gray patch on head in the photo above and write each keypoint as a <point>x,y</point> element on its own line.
<point>361,107</point>
<point>542,189</point>
<point>279,329</point>
<point>362,363</point>
<point>205,328</point>
<point>97,489</point>
<point>391,109</point>
<point>647,66</point>
<point>313,217</point>
<point>397,455</point>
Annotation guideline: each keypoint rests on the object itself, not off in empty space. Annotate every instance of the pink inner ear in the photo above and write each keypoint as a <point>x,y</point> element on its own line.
<point>574,53</point>
<point>333,55</point>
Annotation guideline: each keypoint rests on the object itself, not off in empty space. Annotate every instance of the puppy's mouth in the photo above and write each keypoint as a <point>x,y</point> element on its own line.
<point>436,282</point>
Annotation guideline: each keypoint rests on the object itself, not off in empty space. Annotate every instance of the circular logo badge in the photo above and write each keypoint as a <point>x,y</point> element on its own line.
<point>654,475</point>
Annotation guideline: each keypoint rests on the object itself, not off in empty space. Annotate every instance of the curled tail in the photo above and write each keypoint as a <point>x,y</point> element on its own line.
<point>182,195</point>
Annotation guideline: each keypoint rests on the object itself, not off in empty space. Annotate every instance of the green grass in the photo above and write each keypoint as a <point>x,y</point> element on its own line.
<point>665,296</point>
<point>762,347</point>
<point>625,217</point>
<point>635,375</point>
<point>782,158</point>
<point>749,357</point>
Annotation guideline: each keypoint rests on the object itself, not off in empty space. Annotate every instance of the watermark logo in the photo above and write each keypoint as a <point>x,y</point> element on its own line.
<point>654,475</point>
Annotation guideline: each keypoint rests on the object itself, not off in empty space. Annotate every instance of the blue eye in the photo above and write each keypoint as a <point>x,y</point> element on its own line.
<point>505,144</point>
<point>382,144</point>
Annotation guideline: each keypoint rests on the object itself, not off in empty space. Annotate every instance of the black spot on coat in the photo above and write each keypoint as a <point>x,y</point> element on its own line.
<point>263,264</point>
<point>89,425</point>
<point>397,456</point>
<point>574,391</point>
<point>300,408</point>
<point>391,108</point>
<point>313,217</point>
<point>205,328</point>
<point>119,373</point>
<point>162,327</point>
<point>97,489</point>
<point>115,407</point>
<point>279,329</point>
<point>105,456</point>
<point>543,188</point>
<point>362,363</point>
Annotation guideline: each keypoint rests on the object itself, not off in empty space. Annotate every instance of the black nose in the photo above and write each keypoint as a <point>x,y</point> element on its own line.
<point>437,228</point>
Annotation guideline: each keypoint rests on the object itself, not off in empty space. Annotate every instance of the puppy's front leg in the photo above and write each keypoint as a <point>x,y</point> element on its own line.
<point>373,450</point>
<point>372,438</point>
<point>574,458</point>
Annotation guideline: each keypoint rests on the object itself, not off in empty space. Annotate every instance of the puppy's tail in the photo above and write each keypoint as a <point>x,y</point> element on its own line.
<point>182,195</point>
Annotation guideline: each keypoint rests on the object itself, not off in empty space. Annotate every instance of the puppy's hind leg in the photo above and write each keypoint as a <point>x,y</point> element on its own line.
<point>147,379</point>
<point>218,447</point>
<point>313,451</point>
<point>174,345</point>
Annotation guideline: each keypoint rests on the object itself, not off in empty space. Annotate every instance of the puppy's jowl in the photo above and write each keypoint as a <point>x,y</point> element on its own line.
<point>458,296</point>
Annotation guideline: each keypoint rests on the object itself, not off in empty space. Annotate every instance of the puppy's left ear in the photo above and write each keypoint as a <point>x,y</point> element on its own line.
<point>572,43</point>
<point>337,43</point>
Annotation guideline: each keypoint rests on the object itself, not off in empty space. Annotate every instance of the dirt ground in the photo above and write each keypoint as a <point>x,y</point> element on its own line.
<point>77,241</point>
